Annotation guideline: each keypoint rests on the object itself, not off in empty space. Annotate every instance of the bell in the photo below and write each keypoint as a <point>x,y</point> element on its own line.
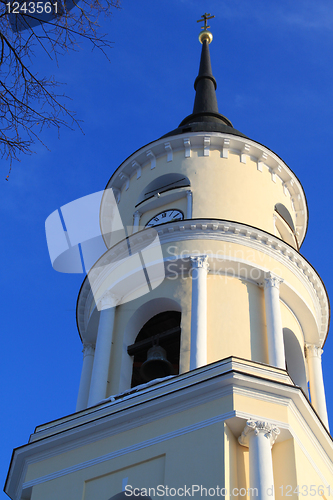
<point>156,364</point>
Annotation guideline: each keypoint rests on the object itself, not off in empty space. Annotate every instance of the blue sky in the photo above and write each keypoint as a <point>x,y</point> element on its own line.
<point>273,66</point>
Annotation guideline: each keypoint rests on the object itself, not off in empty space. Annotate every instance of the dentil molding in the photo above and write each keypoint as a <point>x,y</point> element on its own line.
<point>148,155</point>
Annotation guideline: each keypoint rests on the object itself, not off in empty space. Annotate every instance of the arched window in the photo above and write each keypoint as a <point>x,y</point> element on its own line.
<point>162,184</point>
<point>285,225</point>
<point>161,330</point>
<point>285,214</point>
<point>295,359</point>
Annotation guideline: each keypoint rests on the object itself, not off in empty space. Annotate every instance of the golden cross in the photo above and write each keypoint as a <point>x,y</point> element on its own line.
<point>204,18</point>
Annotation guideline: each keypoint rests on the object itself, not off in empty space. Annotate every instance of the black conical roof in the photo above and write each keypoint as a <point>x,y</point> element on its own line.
<point>205,116</point>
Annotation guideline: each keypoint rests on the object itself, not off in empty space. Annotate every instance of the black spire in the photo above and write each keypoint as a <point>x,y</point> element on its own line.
<point>205,107</point>
<point>205,116</point>
<point>205,85</point>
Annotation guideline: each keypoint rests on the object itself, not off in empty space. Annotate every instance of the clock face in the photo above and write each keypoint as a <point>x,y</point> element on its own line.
<point>166,216</point>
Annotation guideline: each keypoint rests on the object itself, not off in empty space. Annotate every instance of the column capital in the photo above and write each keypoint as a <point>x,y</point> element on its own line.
<point>257,427</point>
<point>188,192</point>
<point>107,301</point>
<point>272,281</point>
<point>199,261</point>
<point>137,213</point>
<point>313,351</point>
<point>88,350</point>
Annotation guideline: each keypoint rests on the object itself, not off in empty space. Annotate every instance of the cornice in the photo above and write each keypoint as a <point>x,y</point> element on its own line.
<point>215,230</point>
<point>227,377</point>
<point>185,380</point>
<point>224,143</point>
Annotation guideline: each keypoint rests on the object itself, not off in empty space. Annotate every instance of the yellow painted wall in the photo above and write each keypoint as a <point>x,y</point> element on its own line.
<point>284,469</point>
<point>308,476</point>
<point>240,191</point>
<point>145,474</point>
<point>236,320</point>
<point>189,458</point>
<point>223,188</point>
<point>224,250</point>
<point>269,410</point>
<point>243,467</point>
<point>230,462</point>
<point>139,434</point>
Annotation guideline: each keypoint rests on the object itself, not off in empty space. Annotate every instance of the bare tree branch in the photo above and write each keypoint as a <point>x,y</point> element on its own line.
<point>28,102</point>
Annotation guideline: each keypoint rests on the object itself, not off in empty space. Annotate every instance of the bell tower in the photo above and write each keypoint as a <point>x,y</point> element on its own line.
<point>202,328</point>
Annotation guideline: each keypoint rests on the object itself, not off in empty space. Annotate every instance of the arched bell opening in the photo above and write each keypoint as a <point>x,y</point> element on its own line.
<point>284,225</point>
<point>285,215</point>
<point>156,348</point>
<point>295,362</point>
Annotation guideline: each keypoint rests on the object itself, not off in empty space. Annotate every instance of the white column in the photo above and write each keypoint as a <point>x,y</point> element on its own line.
<point>189,204</point>
<point>259,437</point>
<point>198,355</point>
<point>136,221</point>
<point>317,390</point>
<point>100,372</point>
<point>87,366</point>
<point>274,322</point>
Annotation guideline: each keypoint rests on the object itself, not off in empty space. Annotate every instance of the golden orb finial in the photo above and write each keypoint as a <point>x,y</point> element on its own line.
<point>205,34</point>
